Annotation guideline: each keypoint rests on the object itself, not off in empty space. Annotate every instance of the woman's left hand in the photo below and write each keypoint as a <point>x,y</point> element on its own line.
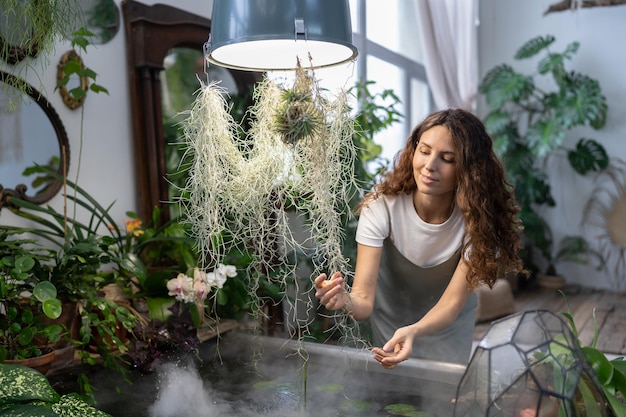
<point>397,349</point>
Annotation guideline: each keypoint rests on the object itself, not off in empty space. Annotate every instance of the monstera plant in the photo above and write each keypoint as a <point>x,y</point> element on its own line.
<point>529,123</point>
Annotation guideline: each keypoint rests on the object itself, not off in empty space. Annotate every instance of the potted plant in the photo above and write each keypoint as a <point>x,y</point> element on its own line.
<point>611,373</point>
<point>529,124</point>
<point>27,300</point>
<point>570,249</point>
<point>82,256</point>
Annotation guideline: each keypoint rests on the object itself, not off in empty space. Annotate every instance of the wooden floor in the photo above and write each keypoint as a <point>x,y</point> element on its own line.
<point>610,312</point>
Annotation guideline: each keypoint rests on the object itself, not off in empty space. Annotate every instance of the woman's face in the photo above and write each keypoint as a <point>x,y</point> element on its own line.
<point>434,162</point>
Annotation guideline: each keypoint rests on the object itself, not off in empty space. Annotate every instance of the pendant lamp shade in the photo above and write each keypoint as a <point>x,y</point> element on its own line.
<point>266,35</point>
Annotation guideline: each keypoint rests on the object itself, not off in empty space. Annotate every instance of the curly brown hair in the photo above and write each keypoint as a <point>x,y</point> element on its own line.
<point>483,195</point>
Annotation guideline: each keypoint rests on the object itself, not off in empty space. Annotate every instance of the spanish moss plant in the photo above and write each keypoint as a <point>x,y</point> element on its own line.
<point>297,157</point>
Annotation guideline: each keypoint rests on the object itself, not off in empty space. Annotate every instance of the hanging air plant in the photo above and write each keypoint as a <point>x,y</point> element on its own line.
<point>299,115</point>
<point>298,155</point>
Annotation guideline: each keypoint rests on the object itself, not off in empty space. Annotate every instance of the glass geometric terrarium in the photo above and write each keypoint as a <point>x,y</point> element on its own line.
<point>529,365</point>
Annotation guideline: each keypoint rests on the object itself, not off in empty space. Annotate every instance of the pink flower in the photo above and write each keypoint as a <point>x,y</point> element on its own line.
<point>181,287</point>
<point>201,286</point>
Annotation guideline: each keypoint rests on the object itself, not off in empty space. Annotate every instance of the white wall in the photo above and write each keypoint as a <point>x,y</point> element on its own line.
<point>505,25</point>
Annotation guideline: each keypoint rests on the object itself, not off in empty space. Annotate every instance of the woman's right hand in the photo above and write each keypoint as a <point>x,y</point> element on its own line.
<point>331,292</point>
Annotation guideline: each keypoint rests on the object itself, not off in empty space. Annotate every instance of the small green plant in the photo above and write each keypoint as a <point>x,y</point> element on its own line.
<point>26,392</point>
<point>75,68</point>
<point>80,255</point>
<point>574,249</point>
<point>26,298</point>
<point>611,373</point>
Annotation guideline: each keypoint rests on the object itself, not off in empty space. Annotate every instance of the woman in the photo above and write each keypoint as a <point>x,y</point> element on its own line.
<point>442,222</point>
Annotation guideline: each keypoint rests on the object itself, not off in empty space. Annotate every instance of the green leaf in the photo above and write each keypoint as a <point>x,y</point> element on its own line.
<point>26,336</point>
<point>502,84</point>
<point>406,410</point>
<point>619,375</point>
<point>27,316</point>
<point>221,297</point>
<point>617,404</point>
<point>81,42</point>
<point>352,406</point>
<point>73,66</point>
<point>589,156</point>
<point>27,410</point>
<point>586,100</point>
<point>24,263</point>
<point>20,383</point>
<point>553,63</point>
<point>534,46</point>
<point>45,290</point>
<point>600,364</point>
<point>53,332</point>
<point>52,308</point>
<point>96,88</point>
<point>545,136</point>
<point>89,73</point>
<point>496,122</point>
<point>72,405</point>
<point>620,365</point>
<point>155,283</point>
<point>134,267</point>
<point>78,93</point>
<point>158,307</point>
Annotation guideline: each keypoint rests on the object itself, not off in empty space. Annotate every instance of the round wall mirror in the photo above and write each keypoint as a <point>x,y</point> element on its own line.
<point>32,134</point>
<point>102,18</point>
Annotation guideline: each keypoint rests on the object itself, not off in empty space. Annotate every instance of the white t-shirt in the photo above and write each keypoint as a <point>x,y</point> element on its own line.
<point>422,243</point>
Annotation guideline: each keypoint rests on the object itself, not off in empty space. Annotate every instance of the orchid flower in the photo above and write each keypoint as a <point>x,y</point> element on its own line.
<point>227,270</point>
<point>181,287</point>
<point>201,285</point>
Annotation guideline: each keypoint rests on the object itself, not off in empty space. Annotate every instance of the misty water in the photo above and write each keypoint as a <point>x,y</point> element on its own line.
<point>252,380</point>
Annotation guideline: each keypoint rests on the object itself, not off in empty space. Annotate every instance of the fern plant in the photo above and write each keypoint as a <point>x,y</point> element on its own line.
<point>529,124</point>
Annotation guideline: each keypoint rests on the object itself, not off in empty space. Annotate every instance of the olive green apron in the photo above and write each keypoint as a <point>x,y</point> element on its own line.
<point>404,294</point>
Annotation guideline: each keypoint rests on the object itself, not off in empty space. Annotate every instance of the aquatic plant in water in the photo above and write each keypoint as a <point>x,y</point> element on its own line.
<point>297,156</point>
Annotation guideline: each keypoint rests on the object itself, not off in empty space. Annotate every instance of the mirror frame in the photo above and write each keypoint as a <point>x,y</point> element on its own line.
<point>151,32</point>
<point>6,194</point>
<point>70,101</point>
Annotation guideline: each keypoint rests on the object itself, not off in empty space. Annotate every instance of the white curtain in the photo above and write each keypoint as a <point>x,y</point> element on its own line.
<point>449,31</point>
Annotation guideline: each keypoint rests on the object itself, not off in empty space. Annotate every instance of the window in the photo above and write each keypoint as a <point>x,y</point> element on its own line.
<point>390,53</point>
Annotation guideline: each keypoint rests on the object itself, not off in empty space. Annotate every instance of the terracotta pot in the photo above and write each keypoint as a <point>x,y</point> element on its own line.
<point>40,363</point>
